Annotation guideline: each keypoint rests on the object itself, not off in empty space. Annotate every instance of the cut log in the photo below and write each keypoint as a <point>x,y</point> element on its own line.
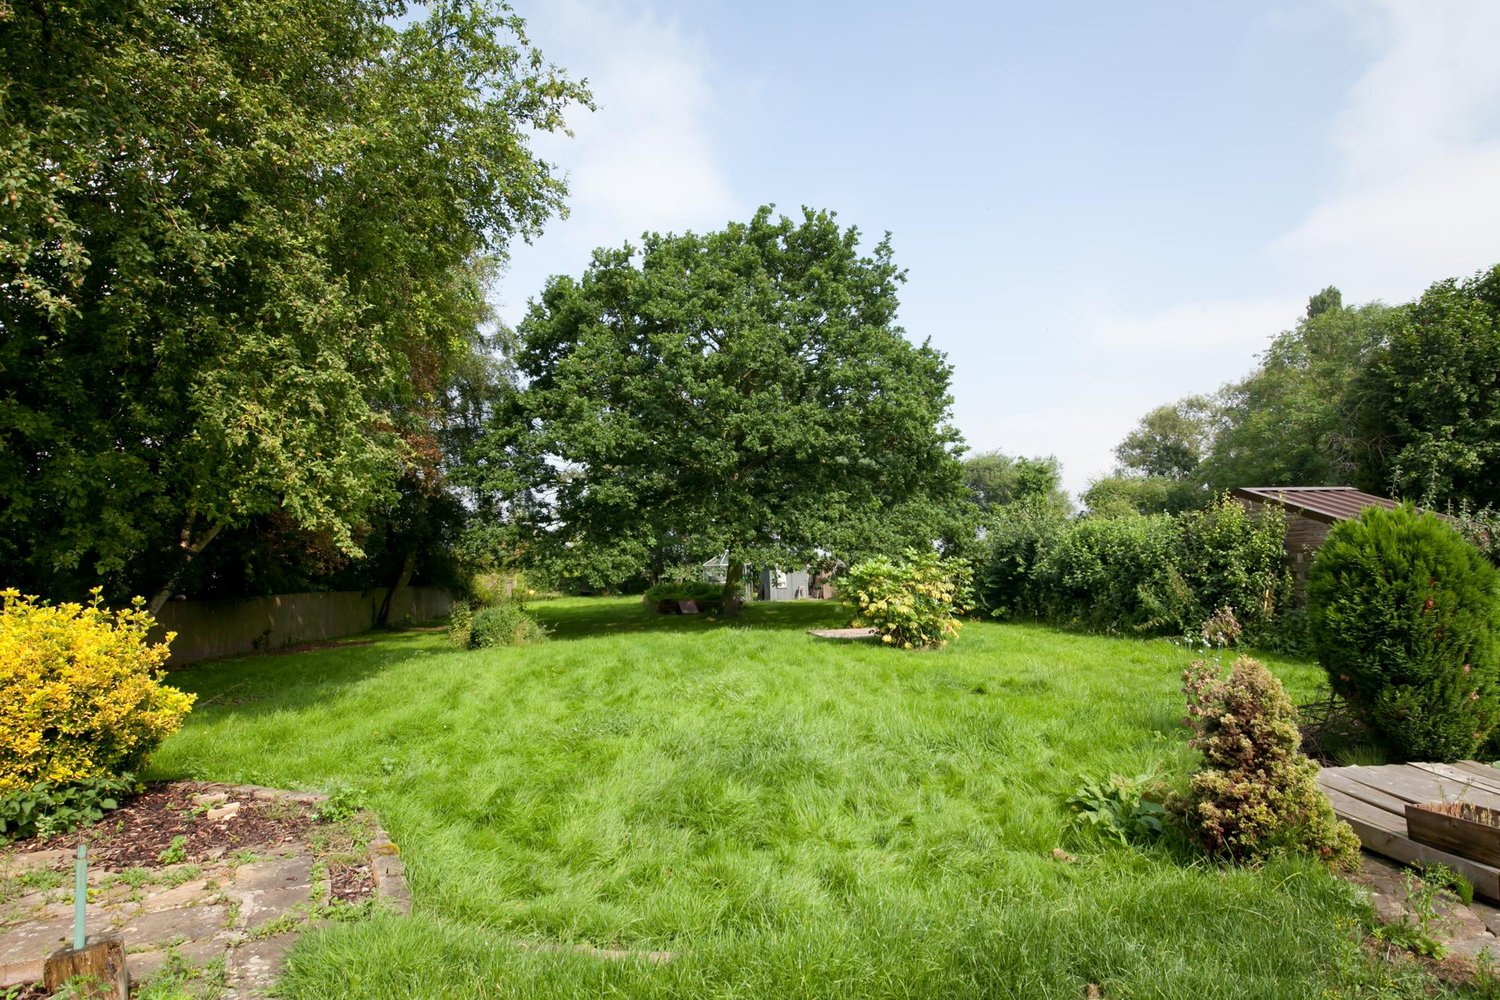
<point>96,971</point>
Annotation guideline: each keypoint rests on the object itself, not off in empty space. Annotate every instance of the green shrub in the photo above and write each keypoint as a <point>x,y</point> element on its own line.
<point>50,808</point>
<point>1099,569</point>
<point>1256,796</point>
<point>505,624</point>
<point>915,603</point>
<point>665,597</point>
<point>1117,809</point>
<point>1229,558</point>
<point>1017,537</point>
<point>461,625</point>
<point>1403,614</point>
<point>1160,574</point>
<point>80,691</point>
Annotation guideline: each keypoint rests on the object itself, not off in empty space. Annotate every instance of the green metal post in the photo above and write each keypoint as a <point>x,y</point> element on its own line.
<point>80,896</point>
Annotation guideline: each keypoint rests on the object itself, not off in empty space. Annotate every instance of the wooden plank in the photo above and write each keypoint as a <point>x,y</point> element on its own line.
<point>1489,782</point>
<point>1379,798</point>
<point>1348,808</point>
<point>1486,880</point>
<point>1412,785</point>
<point>1468,837</point>
<point>1476,767</point>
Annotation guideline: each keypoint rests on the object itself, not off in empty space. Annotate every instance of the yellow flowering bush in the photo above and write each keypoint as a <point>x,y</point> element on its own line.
<point>914,603</point>
<point>80,695</point>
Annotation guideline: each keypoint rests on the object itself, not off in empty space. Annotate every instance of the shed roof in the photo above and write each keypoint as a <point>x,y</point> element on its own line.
<point>1321,503</point>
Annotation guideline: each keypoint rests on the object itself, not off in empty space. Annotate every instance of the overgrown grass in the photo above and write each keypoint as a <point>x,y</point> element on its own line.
<point>790,817</point>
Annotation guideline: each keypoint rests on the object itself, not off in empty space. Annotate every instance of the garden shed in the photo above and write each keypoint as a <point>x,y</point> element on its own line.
<point>1310,512</point>
<point>769,584</point>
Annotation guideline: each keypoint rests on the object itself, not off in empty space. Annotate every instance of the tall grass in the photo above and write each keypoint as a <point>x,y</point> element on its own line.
<point>789,817</point>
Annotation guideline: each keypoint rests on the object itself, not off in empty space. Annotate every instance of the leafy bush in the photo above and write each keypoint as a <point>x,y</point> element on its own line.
<point>915,603</point>
<point>1160,574</point>
<point>49,808</point>
<point>1403,615</point>
<point>1018,536</point>
<point>1117,809</point>
<point>1230,558</point>
<point>1257,795</point>
<point>505,624</point>
<point>79,692</point>
<point>1098,569</point>
<point>665,597</point>
<point>461,625</point>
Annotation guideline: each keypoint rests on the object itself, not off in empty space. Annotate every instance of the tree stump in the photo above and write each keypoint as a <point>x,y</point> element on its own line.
<point>97,970</point>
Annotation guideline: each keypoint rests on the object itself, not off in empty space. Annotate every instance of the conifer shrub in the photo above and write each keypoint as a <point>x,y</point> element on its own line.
<point>1403,614</point>
<point>913,603</point>
<point>81,696</point>
<point>1256,795</point>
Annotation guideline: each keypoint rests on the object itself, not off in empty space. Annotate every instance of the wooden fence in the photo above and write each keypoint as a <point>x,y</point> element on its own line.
<point>206,629</point>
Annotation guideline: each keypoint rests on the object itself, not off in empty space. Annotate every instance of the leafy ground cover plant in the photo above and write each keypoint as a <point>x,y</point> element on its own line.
<point>1256,796</point>
<point>914,603</point>
<point>1118,809</point>
<point>80,691</point>
<point>1403,614</point>
<point>48,808</point>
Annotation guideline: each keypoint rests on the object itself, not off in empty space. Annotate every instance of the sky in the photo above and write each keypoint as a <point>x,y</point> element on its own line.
<point>1102,207</point>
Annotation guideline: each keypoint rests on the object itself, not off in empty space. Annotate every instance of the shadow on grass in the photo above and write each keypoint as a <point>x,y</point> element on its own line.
<point>583,618</point>
<point>282,680</point>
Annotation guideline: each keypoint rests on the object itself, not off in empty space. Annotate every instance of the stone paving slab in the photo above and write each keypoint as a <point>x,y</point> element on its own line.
<point>1467,931</point>
<point>224,913</point>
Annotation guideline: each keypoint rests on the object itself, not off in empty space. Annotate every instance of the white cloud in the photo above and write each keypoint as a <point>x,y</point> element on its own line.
<point>1418,197</point>
<point>645,160</point>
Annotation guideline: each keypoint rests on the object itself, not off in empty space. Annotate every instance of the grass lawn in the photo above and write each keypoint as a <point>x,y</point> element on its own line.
<point>790,817</point>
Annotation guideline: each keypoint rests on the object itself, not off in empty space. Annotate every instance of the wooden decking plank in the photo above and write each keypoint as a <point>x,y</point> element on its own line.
<point>1379,798</point>
<point>1350,808</point>
<point>1412,785</point>
<point>1476,767</point>
<point>1488,782</point>
<point>1486,880</point>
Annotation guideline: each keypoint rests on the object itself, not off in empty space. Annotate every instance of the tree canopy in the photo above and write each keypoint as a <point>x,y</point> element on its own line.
<point>1292,422</point>
<point>1429,409</point>
<point>1170,441</point>
<point>238,245</point>
<point>744,391</point>
<point>995,479</point>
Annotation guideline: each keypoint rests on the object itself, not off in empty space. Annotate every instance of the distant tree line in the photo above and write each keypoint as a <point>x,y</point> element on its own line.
<point>1397,400</point>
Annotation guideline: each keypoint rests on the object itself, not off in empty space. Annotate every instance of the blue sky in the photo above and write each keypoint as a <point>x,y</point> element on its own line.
<point>1101,206</point>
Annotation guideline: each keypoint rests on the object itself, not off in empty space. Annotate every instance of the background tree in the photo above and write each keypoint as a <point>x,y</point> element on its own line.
<point>1170,441</point>
<point>745,391</point>
<point>1430,405</point>
<point>1119,495</point>
<point>236,242</point>
<point>1293,421</point>
<point>995,479</point>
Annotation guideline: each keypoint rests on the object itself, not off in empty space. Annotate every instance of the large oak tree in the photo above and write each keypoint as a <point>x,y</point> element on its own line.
<point>744,391</point>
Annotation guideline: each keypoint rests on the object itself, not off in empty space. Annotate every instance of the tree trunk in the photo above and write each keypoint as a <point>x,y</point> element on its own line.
<point>396,596</point>
<point>189,549</point>
<point>734,587</point>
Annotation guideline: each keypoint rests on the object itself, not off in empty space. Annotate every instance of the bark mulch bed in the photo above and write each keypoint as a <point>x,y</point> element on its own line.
<point>140,831</point>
